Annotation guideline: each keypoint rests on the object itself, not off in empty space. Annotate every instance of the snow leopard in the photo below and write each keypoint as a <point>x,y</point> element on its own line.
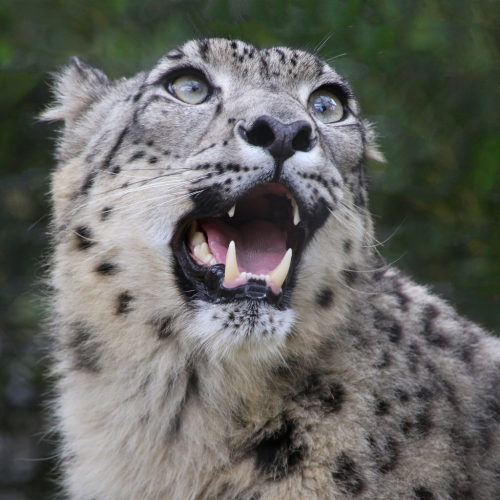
<point>223,325</point>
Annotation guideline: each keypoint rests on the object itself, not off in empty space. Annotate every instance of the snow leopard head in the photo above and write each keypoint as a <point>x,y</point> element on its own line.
<point>219,196</point>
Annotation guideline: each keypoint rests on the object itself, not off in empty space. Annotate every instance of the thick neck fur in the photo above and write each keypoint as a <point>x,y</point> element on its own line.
<point>169,405</point>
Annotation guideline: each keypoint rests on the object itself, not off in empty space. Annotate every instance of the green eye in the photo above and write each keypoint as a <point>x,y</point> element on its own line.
<point>326,106</point>
<point>191,89</point>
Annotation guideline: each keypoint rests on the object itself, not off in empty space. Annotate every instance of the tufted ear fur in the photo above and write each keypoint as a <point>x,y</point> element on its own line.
<point>372,150</point>
<point>76,88</point>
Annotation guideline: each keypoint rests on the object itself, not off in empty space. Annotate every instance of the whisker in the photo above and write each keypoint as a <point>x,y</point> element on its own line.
<point>330,59</point>
<point>133,169</point>
<point>375,269</point>
<point>394,232</point>
<point>164,201</point>
<point>139,182</point>
<point>114,194</point>
<point>322,43</point>
<point>350,225</point>
<point>356,291</point>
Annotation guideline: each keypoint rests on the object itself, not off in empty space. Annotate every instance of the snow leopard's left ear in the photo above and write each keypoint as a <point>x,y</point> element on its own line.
<point>76,87</point>
<point>371,147</point>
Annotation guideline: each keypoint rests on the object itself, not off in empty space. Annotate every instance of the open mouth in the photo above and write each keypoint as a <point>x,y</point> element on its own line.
<point>251,251</point>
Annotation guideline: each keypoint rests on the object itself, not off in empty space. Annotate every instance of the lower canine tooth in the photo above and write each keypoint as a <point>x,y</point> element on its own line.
<point>231,272</point>
<point>280,272</point>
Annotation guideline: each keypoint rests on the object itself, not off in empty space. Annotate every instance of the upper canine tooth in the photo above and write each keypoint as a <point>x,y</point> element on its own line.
<point>295,208</point>
<point>231,272</point>
<point>230,212</point>
<point>280,272</point>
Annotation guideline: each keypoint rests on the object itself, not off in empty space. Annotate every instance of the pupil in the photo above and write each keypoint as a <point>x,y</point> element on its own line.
<point>323,104</point>
<point>191,86</point>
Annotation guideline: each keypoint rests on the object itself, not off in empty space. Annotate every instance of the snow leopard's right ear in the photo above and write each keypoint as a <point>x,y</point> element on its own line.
<point>76,87</point>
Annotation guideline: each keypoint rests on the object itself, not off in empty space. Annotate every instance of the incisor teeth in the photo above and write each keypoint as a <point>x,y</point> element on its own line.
<point>279,273</point>
<point>230,212</point>
<point>231,272</point>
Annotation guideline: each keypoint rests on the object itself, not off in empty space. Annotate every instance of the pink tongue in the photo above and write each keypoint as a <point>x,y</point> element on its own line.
<point>260,245</point>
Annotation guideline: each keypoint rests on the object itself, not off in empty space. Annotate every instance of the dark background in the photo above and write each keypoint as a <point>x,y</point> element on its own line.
<point>427,73</point>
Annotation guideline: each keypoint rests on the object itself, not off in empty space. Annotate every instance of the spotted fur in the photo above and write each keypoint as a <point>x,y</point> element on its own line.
<point>365,385</point>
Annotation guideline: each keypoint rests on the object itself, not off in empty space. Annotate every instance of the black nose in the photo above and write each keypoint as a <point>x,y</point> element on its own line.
<point>280,139</point>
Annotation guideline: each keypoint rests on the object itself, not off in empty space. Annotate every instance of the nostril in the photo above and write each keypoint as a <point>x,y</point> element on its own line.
<point>302,140</point>
<point>280,139</point>
<point>261,134</point>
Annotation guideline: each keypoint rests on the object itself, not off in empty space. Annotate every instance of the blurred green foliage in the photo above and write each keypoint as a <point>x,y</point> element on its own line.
<point>427,73</point>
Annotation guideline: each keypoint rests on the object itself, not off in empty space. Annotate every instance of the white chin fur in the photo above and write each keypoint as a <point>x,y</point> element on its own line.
<point>225,331</point>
